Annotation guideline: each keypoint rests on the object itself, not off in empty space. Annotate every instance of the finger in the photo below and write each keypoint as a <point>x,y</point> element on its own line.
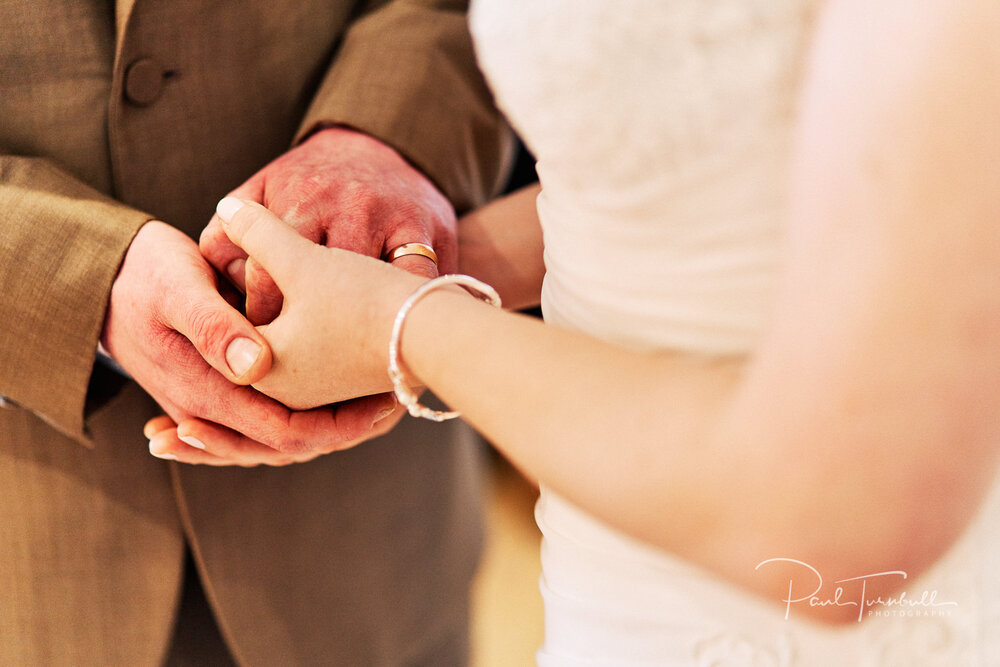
<point>381,427</point>
<point>264,299</point>
<point>227,257</point>
<point>407,238</point>
<point>352,421</point>
<point>417,264</point>
<point>157,424</point>
<point>272,243</point>
<point>167,445</point>
<point>224,338</point>
<point>227,444</point>
<point>388,421</point>
<point>434,226</point>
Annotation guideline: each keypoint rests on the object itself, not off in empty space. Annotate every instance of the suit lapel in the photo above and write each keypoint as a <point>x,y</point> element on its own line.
<point>123,10</point>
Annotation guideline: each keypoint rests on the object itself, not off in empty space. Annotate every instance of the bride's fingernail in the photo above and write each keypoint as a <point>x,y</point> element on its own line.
<point>227,207</point>
<point>241,355</point>
<point>191,441</point>
<point>161,455</point>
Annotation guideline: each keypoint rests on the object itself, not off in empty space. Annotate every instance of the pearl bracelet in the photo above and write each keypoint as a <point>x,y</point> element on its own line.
<point>403,393</point>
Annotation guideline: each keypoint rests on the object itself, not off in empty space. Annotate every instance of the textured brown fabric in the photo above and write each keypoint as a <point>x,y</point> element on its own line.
<point>361,558</point>
<point>90,542</point>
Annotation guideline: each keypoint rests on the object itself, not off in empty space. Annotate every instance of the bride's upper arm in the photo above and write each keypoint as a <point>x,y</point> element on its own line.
<point>893,247</point>
<point>898,139</point>
<point>883,359</point>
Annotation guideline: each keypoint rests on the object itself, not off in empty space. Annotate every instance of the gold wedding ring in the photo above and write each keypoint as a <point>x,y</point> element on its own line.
<point>412,249</point>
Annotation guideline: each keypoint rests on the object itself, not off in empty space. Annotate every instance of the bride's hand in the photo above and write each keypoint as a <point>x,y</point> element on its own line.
<point>331,340</point>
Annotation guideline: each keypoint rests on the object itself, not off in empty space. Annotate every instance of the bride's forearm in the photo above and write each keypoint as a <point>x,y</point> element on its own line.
<point>501,244</point>
<point>627,436</point>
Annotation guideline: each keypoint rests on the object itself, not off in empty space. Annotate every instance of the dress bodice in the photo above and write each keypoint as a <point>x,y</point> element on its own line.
<point>660,133</point>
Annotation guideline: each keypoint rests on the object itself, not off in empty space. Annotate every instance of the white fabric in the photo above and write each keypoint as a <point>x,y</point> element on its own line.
<point>662,132</point>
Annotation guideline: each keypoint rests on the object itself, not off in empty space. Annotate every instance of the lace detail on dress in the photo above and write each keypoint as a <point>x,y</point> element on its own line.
<point>930,642</point>
<point>668,82</point>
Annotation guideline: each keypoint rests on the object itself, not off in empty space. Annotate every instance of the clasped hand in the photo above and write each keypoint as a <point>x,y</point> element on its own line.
<point>340,190</point>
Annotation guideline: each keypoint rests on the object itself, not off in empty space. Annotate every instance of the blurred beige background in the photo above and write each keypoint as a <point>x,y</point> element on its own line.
<point>507,607</point>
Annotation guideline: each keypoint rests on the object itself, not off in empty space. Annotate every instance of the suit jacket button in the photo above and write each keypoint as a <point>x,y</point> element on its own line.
<point>143,82</point>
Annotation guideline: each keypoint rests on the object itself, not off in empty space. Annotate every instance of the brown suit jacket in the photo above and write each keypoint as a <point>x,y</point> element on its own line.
<point>115,113</point>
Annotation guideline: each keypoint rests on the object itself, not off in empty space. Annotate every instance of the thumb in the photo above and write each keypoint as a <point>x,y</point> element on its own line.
<point>224,338</point>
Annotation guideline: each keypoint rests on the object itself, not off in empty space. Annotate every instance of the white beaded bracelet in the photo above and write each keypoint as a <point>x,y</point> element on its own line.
<point>403,393</point>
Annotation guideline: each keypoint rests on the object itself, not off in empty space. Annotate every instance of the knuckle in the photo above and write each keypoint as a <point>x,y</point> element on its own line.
<point>201,320</point>
<point>289,444</point>
<point>207,327</point>
<point>210,235</point>
<point>300,211</point>
<point>214,245</point>
<point>357,192</point>
<point>415,212</point>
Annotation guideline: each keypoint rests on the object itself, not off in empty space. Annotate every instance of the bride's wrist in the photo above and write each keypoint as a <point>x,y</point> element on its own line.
<point>439,290</point>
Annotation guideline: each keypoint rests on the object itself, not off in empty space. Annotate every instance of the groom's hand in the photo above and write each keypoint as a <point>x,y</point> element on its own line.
<point>342,189</point>
<point>170,328</point>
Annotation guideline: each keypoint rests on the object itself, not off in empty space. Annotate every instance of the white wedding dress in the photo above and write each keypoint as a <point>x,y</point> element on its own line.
<point>662,133</point>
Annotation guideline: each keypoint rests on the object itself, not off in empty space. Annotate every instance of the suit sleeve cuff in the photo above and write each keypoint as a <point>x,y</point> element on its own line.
<point>59,256</point>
